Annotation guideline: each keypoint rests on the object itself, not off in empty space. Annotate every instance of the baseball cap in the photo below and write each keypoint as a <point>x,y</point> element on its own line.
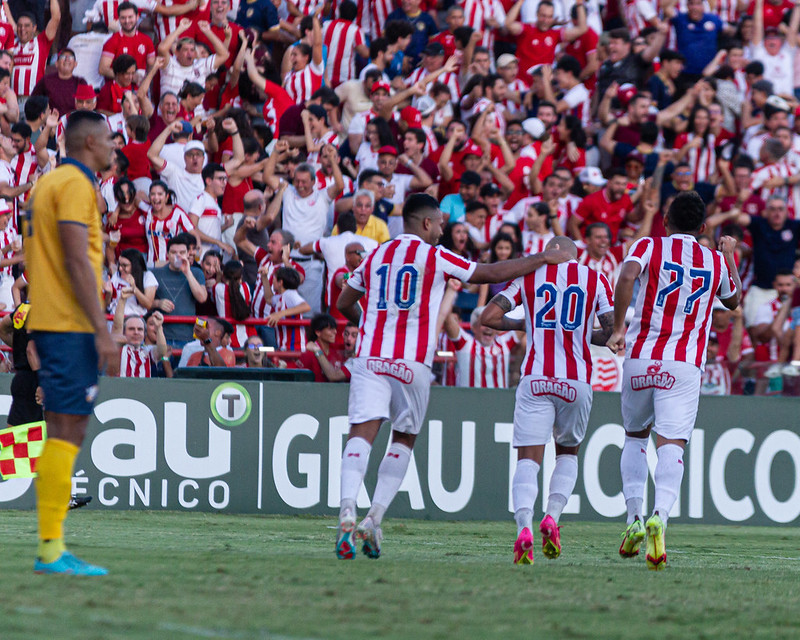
<point>380,84</point>
<point>187,128</point>
<point>85,92</point>
<point>772,31</point>
<point>490,189</point>
<point>470,178</point>
<point>506,59</point>
<point>411,117</point>
<point>193,145</point>
<point>778,103</point>
<point>635,156</point>
<point>592,176</point>
<point>387,149</point>
<point>471,148</point>
<point>433,49</point>
<point>533,127</point>
<point>426,106</point>
<point>625,93</point>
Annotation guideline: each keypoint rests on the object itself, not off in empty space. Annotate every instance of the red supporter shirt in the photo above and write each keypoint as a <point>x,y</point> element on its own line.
<point>138,45</point>
<point>536,47</point>
<point>133,233</point>
<point>580,50</point>
<point>596,207</point>
<point>198,36</point>
<point>136,153</point>
<point>772,14</point>
<point>308,360</point>
<point>6,36</point>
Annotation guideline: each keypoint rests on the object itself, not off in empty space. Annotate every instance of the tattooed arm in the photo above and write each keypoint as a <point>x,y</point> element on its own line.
<point>600,336</point>
<point>494,315</point>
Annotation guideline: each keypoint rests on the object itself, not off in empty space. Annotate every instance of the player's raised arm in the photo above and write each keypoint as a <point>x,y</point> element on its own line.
<point>510,269</point>
<point>727,245</point>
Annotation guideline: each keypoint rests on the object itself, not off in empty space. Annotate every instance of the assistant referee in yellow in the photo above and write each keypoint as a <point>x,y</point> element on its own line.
<point>64,259</point>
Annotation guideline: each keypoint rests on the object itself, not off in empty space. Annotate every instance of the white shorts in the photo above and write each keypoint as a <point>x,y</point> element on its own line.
<point>664,394</point>
<point>551,406</point>
<point>382,389</point>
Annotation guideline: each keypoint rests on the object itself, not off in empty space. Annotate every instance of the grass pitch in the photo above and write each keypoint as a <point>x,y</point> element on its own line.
<point>179,575</point>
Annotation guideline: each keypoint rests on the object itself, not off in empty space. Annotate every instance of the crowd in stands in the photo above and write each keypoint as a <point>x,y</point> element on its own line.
<point>266,147</point>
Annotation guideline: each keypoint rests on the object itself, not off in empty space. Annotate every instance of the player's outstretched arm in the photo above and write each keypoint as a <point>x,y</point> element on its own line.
<point>494,315</point>
<point>600,336</point>
<point>510,269</point>
<point>623,295</point>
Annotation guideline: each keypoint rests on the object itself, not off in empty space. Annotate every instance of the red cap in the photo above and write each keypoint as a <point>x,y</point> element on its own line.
<point>625,93</point>
<point>412,117</point>
<point>471,147</point>
<point>388,149</point>
<point>379,84</point>
<point>85,92</point>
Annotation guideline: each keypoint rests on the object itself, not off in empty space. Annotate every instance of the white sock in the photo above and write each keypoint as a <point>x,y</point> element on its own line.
<point>669,474</point>
<point>390,477</point>
<point>562,482</point>
<point>524,490</point>
<point>354,465</point>
<point>633,468</point>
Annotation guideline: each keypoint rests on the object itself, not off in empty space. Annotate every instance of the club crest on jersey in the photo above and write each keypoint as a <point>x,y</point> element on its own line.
<point>554,387</point>
<point>396,370</point>
<point>653,379</point>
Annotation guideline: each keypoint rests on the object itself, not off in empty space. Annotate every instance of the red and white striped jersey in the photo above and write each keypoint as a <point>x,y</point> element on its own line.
<point>307,7</point>
<point>512,107</point>
<point>379,10</point>
<point>450,79</point>
<point>404,281</point>
<point>760,176</point>
<point>560,302</point>
<point>300,85</point>
<point>222,300</point>
<point>634,19</point>
<point>477,12</point>
<point>766,313</point>
<point>261,308</point>
<point>167,24</point>
<point>135,362</point>
<point>481,366</point>
<point>703,161</point>
<point>341,37</point>
<point>161,230</point>
<point>30,60</point>
<point>7,237</point>
<point>329,137</point>
<point>609,265</point>
<point>289,338</point>
<point>679,280</point>
<point>24,165</point>
<point>431,142</point>
<point>533,242</point>
<point>727,10</point>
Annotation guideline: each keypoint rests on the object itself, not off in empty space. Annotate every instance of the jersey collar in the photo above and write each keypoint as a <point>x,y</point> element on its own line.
<point>83,169</point>
<point>684,236</point>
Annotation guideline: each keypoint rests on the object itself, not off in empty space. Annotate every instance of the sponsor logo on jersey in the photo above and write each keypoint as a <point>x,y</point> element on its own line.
<point>554,387</point>
<point>653,379</point>
<point>396,370</point>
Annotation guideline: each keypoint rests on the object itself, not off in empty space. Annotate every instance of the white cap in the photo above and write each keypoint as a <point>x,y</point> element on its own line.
<point>506,59</point>
<point>533,127</point>
<point>776,102</point>
<point>426,106</point>
<point>592,176</point>
<point>194,145</point>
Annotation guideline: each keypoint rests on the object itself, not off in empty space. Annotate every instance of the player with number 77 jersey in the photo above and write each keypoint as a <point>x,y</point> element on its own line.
<point>665,351</point>
<point>404,282</point>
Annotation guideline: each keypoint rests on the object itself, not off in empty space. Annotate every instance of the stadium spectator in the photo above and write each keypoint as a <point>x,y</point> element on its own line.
<point>211,346</point>
<point>322,356</point>
<point>137,359</point>
<point>32,49</point>
<point>129,41</point>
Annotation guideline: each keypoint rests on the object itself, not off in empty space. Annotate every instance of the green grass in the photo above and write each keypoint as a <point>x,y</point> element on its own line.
<point>178,575</point>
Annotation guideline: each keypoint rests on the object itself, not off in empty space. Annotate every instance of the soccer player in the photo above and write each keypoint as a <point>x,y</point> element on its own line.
<point>665,353</point>
<point>64,258</point>
<point>554,395</point>
<point>404,281</point>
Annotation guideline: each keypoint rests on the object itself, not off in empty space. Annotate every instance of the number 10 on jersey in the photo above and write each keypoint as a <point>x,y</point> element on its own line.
<point>400,287</point>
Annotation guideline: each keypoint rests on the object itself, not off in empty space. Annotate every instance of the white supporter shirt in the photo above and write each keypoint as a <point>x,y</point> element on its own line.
<point>306,217</point>
<point>778,69</point>
<point>209,220</point>
<point>485,367</point>
<point>332,250</point>
<point>7,237</point>
<point>88,48</point>
<point>679,280</point>
<point>174,75</point>
<point>404,281</point>
<point>132,306</point>
<point>560,302</point>
<point>187,186</point>
<point>578,100</point>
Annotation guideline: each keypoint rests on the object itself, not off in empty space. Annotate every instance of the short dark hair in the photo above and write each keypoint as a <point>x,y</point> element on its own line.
<point>346,222</point>
<point>122,63</point>
<point>418,205</point>
<point>378,45</point>
<point>476,205</point>
<point>620,33</point>
<point>189,239</point>
<point>570,65</point>
<point>687,212</point>
<point>419,134</point>
<point>193,89</point>
<point>140,127</point>
<point>22,128</point>
<point>367,174</point>
<point>35,106</point>
<point>179,239</point>
<point>488,81</point>
<point>288,276</point>
<point>348,10</point>
<point>210,169</point>
<point>127,5</point>
<point>78,125</point>
<point>319,322</point>
<point>597,225</point>
<point>393,30</point>
<point>326,95</point>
